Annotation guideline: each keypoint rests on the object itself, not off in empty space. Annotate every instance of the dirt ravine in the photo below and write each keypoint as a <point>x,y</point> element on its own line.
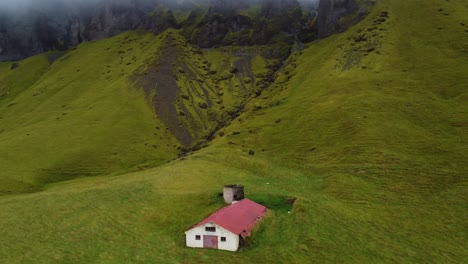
<point>161,87</point>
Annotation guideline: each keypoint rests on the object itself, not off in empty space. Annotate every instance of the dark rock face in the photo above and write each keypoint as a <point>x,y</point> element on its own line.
<point>111,19</point>
<point>160,21</point>
<point>228,7</point>
<point>281,16</point>
<point>59,24</point>
<point>224,24</point>
<point>331,13</point>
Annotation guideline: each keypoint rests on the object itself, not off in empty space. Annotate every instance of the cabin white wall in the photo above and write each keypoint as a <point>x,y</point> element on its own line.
<point>231,244</point>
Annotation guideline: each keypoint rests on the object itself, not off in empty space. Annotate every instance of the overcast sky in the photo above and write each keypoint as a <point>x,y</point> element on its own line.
<point>39,3</point>
<point>14,4</point>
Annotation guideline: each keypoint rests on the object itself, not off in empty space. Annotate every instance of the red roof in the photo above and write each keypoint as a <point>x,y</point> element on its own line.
<point>238,218</point>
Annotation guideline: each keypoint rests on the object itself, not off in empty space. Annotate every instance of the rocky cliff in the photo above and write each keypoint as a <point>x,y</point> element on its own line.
<point>338,15</point>
<point>59,24</point>
<point>250,23</point>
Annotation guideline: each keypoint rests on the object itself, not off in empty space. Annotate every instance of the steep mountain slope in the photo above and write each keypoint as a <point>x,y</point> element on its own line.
<point>29,29</point>
<point>87,114</point>
<point>366,129</point>
<point>337,16</point>
<point>79,115</point>
<point>380,98</point>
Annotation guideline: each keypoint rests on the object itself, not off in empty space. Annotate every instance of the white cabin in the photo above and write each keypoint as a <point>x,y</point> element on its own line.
<point>226,228</point>
<point>211,235</point>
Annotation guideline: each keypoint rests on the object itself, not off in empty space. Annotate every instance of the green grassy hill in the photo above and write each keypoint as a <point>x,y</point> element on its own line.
<point>122,104</point>
<point>367,129</point>
<point>78,116</point>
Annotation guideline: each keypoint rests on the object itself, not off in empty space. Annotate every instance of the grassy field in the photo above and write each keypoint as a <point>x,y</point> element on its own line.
<point>367,129</point>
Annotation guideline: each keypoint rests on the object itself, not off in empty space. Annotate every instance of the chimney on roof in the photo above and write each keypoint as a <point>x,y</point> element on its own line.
<point>233,193</point>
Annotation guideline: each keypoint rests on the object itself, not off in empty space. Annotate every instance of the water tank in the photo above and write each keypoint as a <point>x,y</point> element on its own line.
<point>233,192</point>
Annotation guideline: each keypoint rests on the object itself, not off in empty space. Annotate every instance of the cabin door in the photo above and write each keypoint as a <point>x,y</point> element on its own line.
<point>210,242</point>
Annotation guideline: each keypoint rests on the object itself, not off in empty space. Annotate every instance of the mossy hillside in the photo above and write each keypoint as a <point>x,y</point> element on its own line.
<point>387,129</point>
<point>210,86</point>
<point>378,111</point>
<point>82,115</point>
<point>246,23</point>
<point>243,72</point>
<point>15,77</point>
<point>250,12</point>
<point>231,87</point>
<point>370,145</point>
<point>406,92</point>
<point>84,108</point>
<point>199,104</point>
<point>238,38</point>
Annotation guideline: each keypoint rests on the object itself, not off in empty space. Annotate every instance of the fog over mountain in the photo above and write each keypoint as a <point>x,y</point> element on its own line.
<point>29,27</point>
<point>44,4</point>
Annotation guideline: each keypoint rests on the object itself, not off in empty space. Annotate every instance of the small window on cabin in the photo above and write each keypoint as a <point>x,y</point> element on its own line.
<point>197,237</point>
<point>223,239</point>
<point>210,229</point>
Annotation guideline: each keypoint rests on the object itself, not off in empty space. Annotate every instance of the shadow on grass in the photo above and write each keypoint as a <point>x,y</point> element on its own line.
<point>273,202</point>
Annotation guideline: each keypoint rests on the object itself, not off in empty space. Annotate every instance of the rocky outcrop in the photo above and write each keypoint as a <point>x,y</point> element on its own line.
<point>65,24</point>
<point>111,19</point>
<point>159,21</point>
<point>216,28</point>
<point>60,24</point>
<point>338,15</point>
<point>226,24</point>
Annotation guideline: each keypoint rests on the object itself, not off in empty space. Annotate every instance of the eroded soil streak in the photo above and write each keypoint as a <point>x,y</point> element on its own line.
<point>161,87</point>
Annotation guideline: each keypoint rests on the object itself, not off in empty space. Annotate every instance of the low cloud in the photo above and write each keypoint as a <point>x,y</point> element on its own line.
<point>14,6</point>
